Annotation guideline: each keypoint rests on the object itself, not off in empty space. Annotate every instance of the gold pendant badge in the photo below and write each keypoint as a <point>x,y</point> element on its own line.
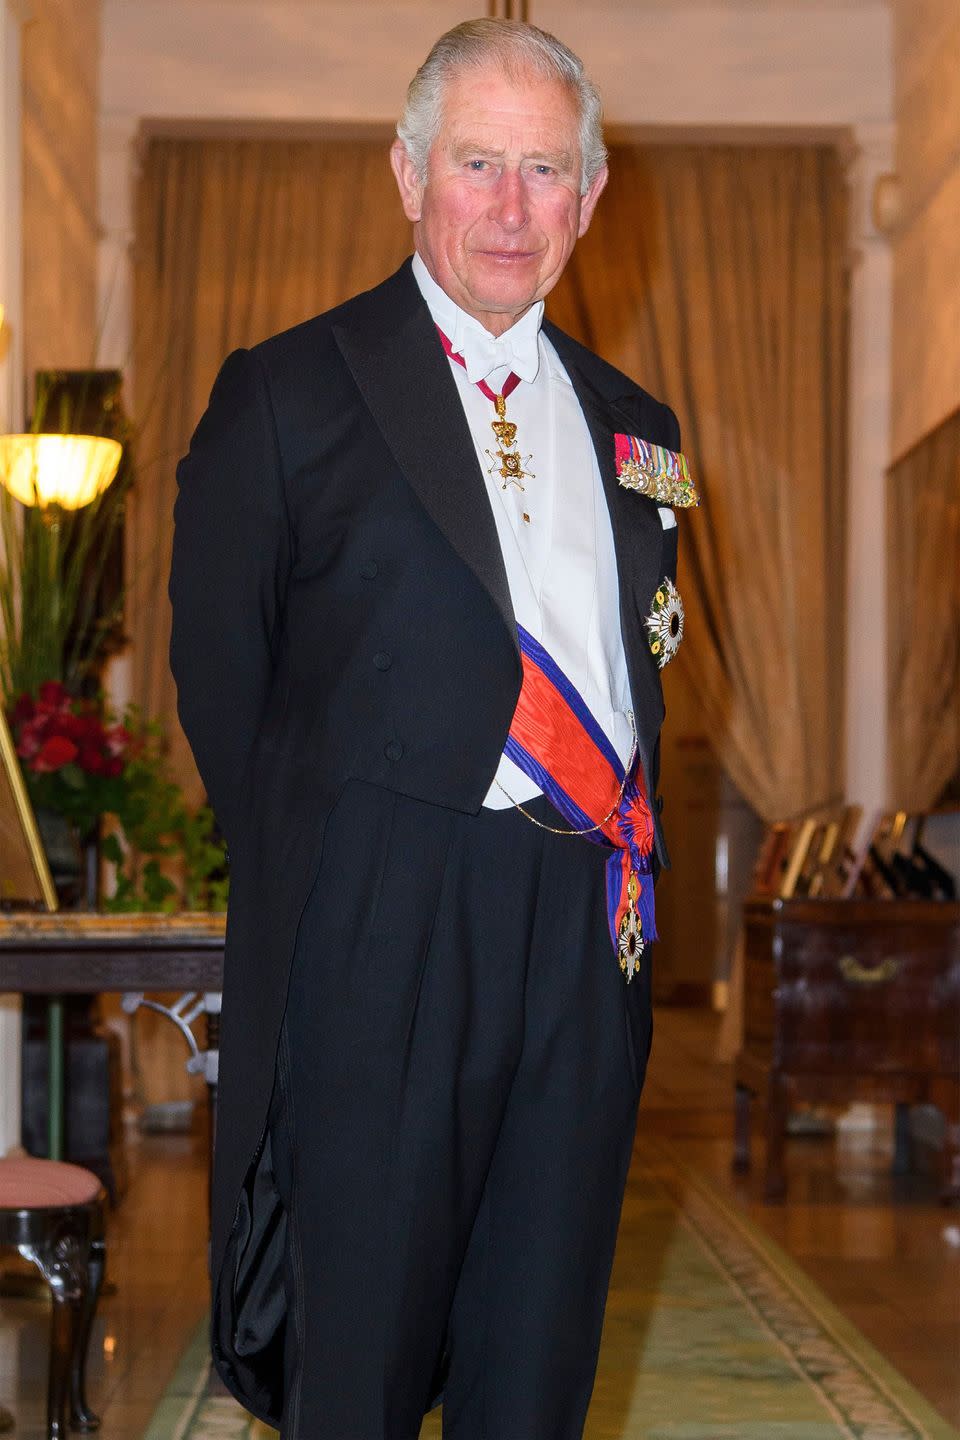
<point>507,462</point>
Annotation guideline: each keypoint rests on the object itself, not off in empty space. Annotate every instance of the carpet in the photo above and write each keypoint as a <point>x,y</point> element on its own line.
<point>711,1333</point>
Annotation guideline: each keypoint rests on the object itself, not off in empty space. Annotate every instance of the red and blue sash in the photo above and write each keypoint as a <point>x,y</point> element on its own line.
<point>556,741</point>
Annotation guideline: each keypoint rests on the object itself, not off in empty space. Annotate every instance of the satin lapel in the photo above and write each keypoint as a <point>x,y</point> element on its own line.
<point>394,353</point>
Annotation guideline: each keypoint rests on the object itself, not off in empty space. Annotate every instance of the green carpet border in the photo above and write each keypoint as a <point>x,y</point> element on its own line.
<point>184,1393</point>
<point>928,1422</point>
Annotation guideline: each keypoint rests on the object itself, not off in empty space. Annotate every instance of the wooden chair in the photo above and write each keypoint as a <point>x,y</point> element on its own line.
<point>53,1214</point>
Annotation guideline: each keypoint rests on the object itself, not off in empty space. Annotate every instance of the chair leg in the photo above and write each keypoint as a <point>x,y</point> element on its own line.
<point>58,1260</point>
<point>62,1317</point>
<point>81,1416</point>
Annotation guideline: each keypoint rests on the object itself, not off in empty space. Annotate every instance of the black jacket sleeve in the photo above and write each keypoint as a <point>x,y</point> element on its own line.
<point>231,558</point>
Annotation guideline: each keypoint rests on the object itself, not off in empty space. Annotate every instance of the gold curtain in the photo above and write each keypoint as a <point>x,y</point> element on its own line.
<point>235,240</point>
<point>714,276</point>
<point>923,617</point>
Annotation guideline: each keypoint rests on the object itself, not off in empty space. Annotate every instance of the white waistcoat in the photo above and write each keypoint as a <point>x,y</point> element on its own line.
<point>560,563</point>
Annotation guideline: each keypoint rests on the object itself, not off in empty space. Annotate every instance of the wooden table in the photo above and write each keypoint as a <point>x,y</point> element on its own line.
<point>73,952</point>
<point>850,1000</point>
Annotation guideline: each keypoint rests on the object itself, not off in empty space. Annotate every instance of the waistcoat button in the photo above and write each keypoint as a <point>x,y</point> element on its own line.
<point>383,660</point>
<point>369,569</point>
<point>393,750</point>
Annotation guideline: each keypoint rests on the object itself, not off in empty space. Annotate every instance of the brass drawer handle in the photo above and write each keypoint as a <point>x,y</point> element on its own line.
<point>858,974</point>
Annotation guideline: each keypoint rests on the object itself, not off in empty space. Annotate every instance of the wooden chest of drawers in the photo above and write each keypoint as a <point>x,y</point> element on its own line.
<point>849,1000</point>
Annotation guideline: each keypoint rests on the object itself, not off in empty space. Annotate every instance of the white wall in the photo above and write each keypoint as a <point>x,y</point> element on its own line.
<point>777,64</point>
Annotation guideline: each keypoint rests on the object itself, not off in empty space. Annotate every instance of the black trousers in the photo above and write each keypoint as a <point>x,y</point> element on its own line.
<point>458,1078</point>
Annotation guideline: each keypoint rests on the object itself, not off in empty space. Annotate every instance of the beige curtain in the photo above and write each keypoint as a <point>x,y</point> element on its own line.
<point>236,239</point>
<point>712,275</point>
<point>923,617</point>
<point>716,277</point>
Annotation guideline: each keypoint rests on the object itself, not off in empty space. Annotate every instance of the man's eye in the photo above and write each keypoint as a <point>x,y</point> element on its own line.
<point>543,169</point>
<point>476,165</point>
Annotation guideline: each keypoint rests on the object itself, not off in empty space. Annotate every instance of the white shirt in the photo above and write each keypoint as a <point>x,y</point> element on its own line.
<point>561,564</point>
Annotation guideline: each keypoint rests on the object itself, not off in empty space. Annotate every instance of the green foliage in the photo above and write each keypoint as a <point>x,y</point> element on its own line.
<point>51,565</point>
<point>168,858</point>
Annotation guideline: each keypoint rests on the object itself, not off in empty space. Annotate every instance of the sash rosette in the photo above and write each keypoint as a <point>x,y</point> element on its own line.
<point>555,740</point>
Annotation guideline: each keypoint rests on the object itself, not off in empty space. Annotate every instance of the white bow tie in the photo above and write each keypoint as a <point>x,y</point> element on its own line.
<point>517,350</point>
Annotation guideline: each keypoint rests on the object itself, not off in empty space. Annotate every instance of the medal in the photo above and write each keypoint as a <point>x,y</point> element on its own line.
<point>507,457</point>
<point>506,461</point>
<point>630,941</point>
<point>653,470</point>
<point>664,623</point>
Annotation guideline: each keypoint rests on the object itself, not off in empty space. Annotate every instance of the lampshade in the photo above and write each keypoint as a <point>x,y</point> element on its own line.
<point>65,470</point>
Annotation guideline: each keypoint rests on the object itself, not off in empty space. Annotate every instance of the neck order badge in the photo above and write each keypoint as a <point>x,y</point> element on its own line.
<point>508,463</point>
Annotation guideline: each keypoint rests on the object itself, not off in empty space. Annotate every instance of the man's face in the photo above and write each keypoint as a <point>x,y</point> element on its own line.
<point>501,210</point>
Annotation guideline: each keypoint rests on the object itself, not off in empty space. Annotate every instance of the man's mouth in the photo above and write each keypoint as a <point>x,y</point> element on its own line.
<point>509,257</point>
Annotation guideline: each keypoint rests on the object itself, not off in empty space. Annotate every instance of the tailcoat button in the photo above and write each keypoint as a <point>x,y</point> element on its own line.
<point>393,750</point>
<point>369,569</point>
<point>383,660</point>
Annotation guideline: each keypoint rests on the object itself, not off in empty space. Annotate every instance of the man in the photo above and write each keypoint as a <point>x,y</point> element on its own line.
<point>416,593</point>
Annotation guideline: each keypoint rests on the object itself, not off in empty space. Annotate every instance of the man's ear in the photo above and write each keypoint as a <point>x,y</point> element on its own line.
<point>589,202</point>
<point>408,181</point>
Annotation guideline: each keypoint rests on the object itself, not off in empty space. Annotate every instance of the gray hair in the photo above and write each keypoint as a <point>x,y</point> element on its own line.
<point>519,49</point>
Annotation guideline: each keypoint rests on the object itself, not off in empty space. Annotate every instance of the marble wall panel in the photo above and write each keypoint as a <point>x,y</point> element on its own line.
<point>926,317</point>
<point>61,47</point>
<point>926,307</point>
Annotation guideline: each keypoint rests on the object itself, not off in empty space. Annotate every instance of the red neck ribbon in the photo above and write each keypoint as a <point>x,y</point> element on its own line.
<point>509,385</point>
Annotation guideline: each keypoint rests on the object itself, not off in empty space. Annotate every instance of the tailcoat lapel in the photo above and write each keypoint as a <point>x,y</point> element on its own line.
<point>392,348</point>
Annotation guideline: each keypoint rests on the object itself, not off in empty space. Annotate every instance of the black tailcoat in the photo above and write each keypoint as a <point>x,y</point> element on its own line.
<point>341,611</point>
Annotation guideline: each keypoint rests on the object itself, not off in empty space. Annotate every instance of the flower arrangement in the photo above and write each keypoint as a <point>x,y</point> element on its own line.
<point>69,753</point>
<point>82,763</point>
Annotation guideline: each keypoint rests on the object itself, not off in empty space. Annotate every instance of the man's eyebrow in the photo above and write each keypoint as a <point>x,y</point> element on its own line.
<point>464,148</point>
<point>560,160</point>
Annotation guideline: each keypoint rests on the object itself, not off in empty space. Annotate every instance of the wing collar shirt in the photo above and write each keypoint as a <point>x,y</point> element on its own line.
<point>555,533</point>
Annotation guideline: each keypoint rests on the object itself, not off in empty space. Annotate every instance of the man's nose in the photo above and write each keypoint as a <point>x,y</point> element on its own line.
<point>510,208</point>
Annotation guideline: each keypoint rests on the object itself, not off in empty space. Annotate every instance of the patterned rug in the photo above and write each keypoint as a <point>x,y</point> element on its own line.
<point>711,1333</point>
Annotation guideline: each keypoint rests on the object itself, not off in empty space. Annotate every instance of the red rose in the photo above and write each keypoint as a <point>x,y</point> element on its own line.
<point>53,694</point>
<point>74,727</point>
<point>91,759</point>
<point>113,767</point>
<point>32,736</point>
<point>54,754</point>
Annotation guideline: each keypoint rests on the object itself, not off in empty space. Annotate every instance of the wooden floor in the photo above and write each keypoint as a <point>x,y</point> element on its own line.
<point>884,1251</point>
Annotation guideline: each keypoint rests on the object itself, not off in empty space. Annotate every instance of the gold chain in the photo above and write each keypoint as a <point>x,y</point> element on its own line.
<point>589,829</point>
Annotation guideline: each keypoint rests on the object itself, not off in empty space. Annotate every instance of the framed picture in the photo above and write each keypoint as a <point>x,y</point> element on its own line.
<point>772,857</point>
<point>25,877</point>
<point>797,867</point>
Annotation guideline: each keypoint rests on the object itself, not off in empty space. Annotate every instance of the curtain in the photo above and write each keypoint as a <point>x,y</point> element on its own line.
<point>923,617</point>
<point>235,240</point>
<point>714,276</point>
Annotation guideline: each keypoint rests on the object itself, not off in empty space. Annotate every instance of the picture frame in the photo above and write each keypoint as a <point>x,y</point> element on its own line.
<point>25,878</point>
